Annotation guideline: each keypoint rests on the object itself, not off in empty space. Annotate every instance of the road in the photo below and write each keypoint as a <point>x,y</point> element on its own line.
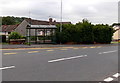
<point>89,63</point>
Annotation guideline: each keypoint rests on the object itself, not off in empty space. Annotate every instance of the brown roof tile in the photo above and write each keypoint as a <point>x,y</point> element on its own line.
<point>39,22</point>
<point>9,28</point>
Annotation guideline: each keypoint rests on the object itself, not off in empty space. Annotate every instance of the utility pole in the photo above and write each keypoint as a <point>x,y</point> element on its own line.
<point>119,12</point>
<point>61,22</point>
<point>61,18</point>
<point>28,31</point>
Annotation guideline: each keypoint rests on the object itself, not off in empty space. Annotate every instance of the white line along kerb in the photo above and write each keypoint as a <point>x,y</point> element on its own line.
<point>62,59</point>
<point>7,67</point>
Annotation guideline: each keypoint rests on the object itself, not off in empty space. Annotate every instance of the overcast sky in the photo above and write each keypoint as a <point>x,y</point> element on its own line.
<point>96,11</point>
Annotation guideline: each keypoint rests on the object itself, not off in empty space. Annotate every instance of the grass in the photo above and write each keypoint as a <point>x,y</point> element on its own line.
<point>115,42</point>
<point>4,43</point>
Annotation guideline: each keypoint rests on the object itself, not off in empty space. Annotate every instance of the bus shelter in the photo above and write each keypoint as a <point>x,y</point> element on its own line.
<point>41,34</point>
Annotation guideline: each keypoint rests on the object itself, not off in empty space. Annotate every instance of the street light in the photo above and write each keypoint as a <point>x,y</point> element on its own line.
<point>61,18</point>
<point>119,12</point>
<point>61,22</point>
<point>28,31</point>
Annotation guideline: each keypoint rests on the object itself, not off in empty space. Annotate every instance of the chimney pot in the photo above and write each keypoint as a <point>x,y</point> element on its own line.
<point>50,19</point>
<point>54,20</point>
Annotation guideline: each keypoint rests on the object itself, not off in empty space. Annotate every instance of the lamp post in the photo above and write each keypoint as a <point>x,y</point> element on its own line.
<point>29,29</point>
<point>61,18</point>
<point>119,18</point>
<point>61,22</point>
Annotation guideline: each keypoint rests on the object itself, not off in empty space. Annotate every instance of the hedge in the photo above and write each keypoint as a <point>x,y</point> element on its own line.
<point>103,33</point>
<point>84,32</point>
<point>15,35</point>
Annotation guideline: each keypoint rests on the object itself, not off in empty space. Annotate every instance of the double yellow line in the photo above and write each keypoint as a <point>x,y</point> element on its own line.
<point>53,50</point>
<point>9,53</point>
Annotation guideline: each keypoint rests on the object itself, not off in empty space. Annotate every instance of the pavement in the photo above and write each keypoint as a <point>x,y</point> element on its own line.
<point>71,63</point>
<point>10,46</point>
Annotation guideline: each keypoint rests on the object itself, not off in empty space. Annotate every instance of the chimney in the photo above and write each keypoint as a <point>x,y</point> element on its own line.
<point>50,19</point>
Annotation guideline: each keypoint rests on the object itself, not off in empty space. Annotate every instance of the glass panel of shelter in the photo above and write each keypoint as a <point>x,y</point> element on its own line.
<point>38,36</point>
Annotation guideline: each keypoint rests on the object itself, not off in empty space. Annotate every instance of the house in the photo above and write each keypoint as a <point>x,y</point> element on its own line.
<point>6,30</point>
<point>116,35</point>
<point>22,27</point>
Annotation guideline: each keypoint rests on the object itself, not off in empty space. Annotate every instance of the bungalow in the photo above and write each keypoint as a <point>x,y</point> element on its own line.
<point>22,27</point>
<point>116,35</point>
<point>6,30</point>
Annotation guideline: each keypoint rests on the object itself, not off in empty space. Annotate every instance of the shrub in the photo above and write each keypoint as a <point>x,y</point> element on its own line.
<point>32,38</point>
<point>15,35</point>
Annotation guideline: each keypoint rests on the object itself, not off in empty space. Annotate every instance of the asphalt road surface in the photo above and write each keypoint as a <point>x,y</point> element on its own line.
<point>89,63</point>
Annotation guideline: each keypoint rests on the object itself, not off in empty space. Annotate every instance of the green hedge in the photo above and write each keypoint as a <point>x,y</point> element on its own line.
<point>15,35</point>
<point>103,33</point>
<point>84,32</point>
<point>33,38</point>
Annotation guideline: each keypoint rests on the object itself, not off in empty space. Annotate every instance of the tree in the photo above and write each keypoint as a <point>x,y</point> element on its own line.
<point>8,21</point>
<point>11,20</point>
<point>118,24</point>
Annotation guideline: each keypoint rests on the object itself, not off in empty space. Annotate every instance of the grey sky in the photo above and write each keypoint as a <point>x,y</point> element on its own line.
<point>96,11</point>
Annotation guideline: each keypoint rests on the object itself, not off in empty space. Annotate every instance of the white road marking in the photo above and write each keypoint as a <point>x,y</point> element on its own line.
<point>116,75</point>
<point>7,67</point>
<point>109,79</point>
<point>62,59</point>
<point>33,52</point>
<point>108,52</point>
